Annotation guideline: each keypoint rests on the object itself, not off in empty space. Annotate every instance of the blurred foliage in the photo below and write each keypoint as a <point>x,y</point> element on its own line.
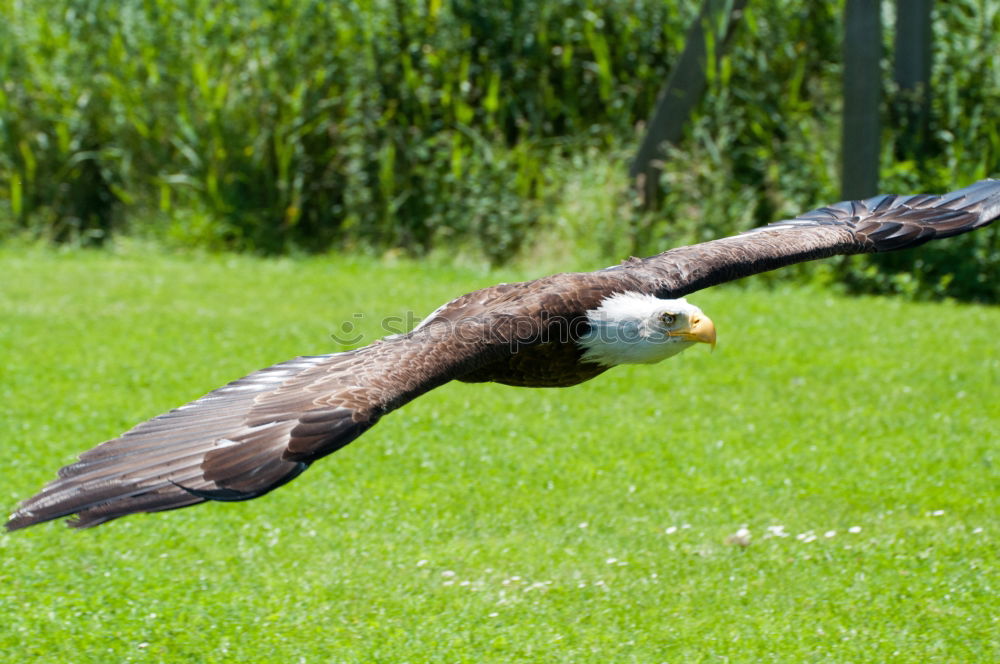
<point>295,125</point>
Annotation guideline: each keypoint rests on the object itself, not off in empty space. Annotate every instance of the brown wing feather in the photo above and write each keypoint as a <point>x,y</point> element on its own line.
<point>137,468</point>
<point>250,436</point>
<point>881,223</point>
<point>474,304</point>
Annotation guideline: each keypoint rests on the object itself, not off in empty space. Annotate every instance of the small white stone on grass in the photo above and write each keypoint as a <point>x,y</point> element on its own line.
<point>854,530</point>
<point>740,538</point>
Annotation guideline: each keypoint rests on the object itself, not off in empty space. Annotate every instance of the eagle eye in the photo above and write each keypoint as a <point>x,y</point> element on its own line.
<point>668,319</point>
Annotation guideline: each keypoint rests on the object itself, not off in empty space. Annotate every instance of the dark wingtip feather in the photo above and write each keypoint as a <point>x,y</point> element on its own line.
<point>18,521</point>
<point>902,222</point>
<point>96,504</point>
<point>887,222</point>
<point>960,211</point>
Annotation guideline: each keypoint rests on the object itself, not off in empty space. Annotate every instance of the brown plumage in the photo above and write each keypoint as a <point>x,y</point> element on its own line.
<point>254,434</point>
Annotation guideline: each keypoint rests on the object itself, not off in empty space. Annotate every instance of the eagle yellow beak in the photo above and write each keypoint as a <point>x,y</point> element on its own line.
<point>701,329</point>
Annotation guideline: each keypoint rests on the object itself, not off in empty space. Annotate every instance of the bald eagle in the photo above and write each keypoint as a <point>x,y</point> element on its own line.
<point>259,432</point>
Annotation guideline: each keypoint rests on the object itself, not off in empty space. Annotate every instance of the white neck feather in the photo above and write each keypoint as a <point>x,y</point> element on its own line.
<point>626,329</point>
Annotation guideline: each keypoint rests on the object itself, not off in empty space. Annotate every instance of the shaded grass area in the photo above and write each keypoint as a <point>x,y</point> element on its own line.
<point>487,523</point>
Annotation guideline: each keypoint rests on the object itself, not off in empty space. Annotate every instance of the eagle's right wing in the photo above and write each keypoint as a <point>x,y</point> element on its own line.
<point>882,223</point>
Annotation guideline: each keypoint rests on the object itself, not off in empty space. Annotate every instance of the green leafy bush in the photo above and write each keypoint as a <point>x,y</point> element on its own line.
<point>299,125</point>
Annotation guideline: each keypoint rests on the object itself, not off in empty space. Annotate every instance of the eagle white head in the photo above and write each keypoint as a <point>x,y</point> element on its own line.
<point>635,328</point>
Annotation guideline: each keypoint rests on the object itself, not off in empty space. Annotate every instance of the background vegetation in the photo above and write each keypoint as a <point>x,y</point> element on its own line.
<point>484,523</point>
<point>300,125</point>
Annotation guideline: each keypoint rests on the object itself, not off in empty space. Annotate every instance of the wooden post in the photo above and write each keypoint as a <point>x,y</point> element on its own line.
<point>912,72</point>
<point>862,49</point>
<point>682,92</point>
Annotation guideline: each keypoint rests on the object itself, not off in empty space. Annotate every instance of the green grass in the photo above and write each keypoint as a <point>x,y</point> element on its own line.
<point>492,524</point>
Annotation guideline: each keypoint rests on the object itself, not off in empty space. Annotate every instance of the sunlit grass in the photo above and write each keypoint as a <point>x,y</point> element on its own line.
<point>484,523</point>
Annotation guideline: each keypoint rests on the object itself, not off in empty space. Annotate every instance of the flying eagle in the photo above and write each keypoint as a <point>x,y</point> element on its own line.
<point>259,432</point>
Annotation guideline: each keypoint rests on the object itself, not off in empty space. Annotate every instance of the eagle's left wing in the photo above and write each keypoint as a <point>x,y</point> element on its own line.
<point>257,433</point>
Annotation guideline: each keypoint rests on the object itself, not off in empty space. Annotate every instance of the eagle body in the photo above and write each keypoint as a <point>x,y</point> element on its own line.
<point>550,364</point>
<point>253,435</point>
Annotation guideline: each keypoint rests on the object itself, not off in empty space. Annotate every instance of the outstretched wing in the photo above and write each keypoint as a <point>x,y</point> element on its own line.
<point>252,435</point>
<point>882,223</point>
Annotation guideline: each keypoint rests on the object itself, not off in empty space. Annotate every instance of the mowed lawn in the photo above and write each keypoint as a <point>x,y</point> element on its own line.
<point>856,439</point>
